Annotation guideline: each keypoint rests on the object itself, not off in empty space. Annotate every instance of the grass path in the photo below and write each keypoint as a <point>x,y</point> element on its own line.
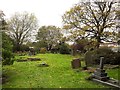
<point>58,75</point>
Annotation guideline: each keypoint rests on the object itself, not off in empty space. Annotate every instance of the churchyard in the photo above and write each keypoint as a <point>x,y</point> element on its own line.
<point>59,73</point>
<point>82,52</point>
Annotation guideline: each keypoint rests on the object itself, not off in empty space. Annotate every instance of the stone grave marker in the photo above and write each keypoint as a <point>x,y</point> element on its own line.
<point>76,63</point>
<point>100,72</point>
<point>101,76</point>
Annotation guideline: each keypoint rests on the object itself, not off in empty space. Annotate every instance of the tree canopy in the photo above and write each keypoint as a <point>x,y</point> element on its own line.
<point>21,28</point>
<point>49,36</point>
<point>5,42</point>
<point>93,20</point>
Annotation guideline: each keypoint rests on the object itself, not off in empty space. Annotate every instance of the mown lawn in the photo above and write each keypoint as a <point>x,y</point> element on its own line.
<point>59,74</point>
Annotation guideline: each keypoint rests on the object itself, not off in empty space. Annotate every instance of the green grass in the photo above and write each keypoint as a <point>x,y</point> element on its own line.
<point>58,75</point>
<point>114,73</point>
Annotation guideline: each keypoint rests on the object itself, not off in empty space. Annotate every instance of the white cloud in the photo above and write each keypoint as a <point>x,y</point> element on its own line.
<point>48,12</point>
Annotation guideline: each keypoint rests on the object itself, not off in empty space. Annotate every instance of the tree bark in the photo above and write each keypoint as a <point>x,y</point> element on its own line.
<point>98,42</point>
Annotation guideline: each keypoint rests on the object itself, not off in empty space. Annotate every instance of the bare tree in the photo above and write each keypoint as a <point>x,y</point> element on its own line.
<point>21,27</point>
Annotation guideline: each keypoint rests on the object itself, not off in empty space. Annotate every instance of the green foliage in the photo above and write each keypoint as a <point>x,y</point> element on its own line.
<point>48,36</point>
<point>43,50</point>
<point>40,44</point>
<point>115,60</point>
<point>22,48</point>
<point>55,50</point>
<point>64,49</point>
<point>7,55</point>
<point>25,48</point>
<point>110,57</point>
<point>85,20</point>
<point>114,73</point>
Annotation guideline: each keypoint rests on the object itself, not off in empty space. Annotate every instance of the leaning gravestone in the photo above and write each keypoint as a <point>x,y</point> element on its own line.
<point>89,58</point>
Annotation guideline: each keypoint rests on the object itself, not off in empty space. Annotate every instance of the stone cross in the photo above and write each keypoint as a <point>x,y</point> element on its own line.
<point>101,62</point>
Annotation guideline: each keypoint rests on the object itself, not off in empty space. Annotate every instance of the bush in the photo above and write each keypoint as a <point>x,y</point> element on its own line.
<point>110,57</point>
<point>43,50</point>
<point>8,61</point>
<point>24,48</point>
<point>115,60</point>
<point>54,50</point>
<point>64,49</point>
<point>7,55</point>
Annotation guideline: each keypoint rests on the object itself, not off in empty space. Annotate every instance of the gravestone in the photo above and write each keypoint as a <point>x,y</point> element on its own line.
<point>101,62</point>
<point>89,58</point>
<point>100,72</point>
<point>76,63</point>
<point>101,76</point>
<point>31,51</point>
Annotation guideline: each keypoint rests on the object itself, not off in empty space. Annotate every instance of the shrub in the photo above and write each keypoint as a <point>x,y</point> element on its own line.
<point>7,55</point>
<point>64,49</point>
<point>110,57</point>
<point>54,50</point>
<point>115,60</point>
<point>24,48</point>
<point>43,50</point>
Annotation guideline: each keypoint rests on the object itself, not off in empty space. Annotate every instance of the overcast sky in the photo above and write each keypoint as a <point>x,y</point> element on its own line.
<point>48,12</point>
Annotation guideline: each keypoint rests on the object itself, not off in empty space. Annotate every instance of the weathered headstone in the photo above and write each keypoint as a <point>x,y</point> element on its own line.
<point>89,58</point>
<point>76,63</point>
<point>30,53</point>
<point>101,76</point>
<point>101,62</point>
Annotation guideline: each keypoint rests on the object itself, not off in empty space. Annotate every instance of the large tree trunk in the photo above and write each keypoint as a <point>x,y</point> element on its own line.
<point>49,47</point>
<point>98,42</point>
